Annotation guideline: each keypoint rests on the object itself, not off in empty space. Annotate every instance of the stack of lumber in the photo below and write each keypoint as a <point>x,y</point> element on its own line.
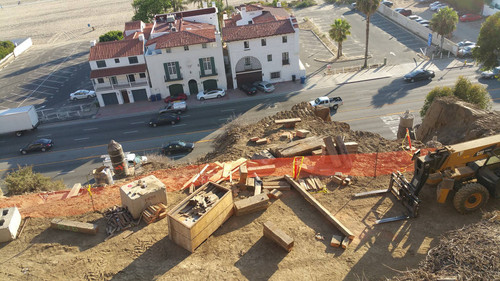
<point>287,123</point>
<point>117,219</point>
<point>154,213</point>
<point>251,204</point>
<point>300,147</point>
<point>277,183</point>
<point>311,183</point>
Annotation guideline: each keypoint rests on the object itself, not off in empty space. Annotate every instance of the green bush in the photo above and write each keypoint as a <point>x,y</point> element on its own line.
<point>464,90</point>
<point>113,35</point>
<point>471,6</point>
<point>24,180</point>
<point>302,4</point>
<point>6,47</point>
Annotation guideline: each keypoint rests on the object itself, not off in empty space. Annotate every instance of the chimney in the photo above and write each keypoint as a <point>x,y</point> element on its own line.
<point>213,4</point>
<point>205,4</point>
<point>141,37</point>
<point>92,43</point>
<point>278,4</point>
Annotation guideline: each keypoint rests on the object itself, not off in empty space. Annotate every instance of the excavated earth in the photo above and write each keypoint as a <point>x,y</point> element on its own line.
<point>237,250</point>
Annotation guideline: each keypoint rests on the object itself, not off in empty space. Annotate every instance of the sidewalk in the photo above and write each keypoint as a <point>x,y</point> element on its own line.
<point>235,95</point>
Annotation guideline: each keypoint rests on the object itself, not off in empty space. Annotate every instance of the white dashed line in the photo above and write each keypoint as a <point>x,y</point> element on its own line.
<point>90,129</point>
<point>131,132</point>
<point>80,139</point>
<point>42,136</point>
<point>135,123</point>
<point>179,125</point>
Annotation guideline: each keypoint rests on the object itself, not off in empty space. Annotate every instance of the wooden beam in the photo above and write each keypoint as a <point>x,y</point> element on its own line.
<point>195,177</point>
<point>74,226</point>
<point>275,234</point>
<point>276,187</point>
<point>75,190</point>
<point>274,194</point>
<point>251,204</point>
<point>320,208</point>
<point>336,241</point>
<point>346,160</point>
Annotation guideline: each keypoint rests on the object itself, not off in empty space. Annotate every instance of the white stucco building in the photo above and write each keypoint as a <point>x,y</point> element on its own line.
<point>262,44</point>
<point>489,10</point>
<point>118,71</point>
<point>184,53</point>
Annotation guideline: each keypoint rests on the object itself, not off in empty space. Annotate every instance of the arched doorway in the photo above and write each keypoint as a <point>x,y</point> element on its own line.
<point>210,84</point>
<point>248,70</point>
<point>176,89</point>
<point>193,87</point>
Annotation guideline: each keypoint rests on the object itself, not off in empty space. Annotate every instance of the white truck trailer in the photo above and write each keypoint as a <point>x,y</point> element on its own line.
<point>18,120</point>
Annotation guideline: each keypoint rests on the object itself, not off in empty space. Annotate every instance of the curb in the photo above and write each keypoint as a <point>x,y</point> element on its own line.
<point>363,80</point>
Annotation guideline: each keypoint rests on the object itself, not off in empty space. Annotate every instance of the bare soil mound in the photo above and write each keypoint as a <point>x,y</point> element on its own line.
<point>454,121</point>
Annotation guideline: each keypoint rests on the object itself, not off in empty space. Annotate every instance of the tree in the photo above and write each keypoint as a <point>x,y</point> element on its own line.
<point>6,47</point>
<point>198,3</point>
<point>145,10</point>
<point>338,32</point>
<point>488,52</point>
<point>367,7</point>
<point>178,5</point>
<point>114,35</point>
<point>464,90</point>
<point>444,22</point>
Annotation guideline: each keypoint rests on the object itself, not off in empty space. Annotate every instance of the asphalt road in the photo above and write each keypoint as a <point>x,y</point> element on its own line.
<point>369,106</point>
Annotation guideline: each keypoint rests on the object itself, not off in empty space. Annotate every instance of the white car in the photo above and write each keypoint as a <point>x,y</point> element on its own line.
<point>415,18</point>
<point>462,44</point>
<point>438,7</point>
<point>82,94</point>
<point>437,3</point>
<point>212,94</point>
<point>264,86</point>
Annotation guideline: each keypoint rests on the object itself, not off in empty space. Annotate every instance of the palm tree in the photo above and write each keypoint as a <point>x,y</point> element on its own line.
<point>444,22</point>
<point>338,32</point>
<point>367,7</point>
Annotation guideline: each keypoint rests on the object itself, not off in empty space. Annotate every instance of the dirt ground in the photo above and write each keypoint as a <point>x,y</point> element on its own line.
<point>237,250</point>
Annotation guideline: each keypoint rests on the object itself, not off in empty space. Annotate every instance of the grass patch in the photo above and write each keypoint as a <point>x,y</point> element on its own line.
<point>24,180</point>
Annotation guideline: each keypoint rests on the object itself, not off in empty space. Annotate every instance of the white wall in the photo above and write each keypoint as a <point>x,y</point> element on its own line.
<point>119,94</point>
<point>110,63</point>
<point>247,16</point>
<point>189,66</point>
<point>25,45</point>
<point>207,18</point>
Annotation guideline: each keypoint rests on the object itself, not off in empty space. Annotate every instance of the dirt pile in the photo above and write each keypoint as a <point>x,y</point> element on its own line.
<point>469,253</point>
<point>234,142</point>
<point>454,121</point>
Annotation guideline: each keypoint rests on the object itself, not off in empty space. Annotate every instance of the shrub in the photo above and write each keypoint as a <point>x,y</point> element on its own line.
<point>302,4</point>
<point>6,47</point>
<point>435,93</point>
<point>113,35</point>
<point>24,180</point>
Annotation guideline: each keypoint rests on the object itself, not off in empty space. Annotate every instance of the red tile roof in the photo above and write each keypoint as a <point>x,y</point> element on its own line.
<point>250,7</point>
<point>258,30</point>
<point>188,33</point>
<point>116,49</point>
<point>190,13</point>
<point>132,25</point>
<point>107,72</point>
<point>265,17</point>
<point>279,13</point>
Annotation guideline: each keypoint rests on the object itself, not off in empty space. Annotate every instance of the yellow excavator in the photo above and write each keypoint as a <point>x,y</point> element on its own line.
<point>470,169</point>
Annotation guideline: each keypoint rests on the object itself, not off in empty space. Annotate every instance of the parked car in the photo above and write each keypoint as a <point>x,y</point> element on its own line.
<point>462,44</point>
<point>426,25</point>
<point>387,3</point>
<point>37,145</point>
<point>353,6</point>
<point>469,17</point>
<point>437,3</point>
<point>494,73</point>
<point>213,94</point>
<point>419,74</point>
<point>404,12</point>
<point>333,103</point>
<point>466,51</point>
<point>415,18</point>
<point>162,119</point>
<point>176,106</point>
<point>82,94</point>
<point>249,89</point>
<point>180,96</point>
<point>438,7</point>
<point>177,147</point>
<point>264,86</point>
<point>424,22</point>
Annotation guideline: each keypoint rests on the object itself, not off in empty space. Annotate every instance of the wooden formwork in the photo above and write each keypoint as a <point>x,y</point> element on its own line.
<point>190,231</point>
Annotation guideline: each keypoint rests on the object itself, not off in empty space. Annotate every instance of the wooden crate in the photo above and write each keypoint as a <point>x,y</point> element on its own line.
<point>190,232</point>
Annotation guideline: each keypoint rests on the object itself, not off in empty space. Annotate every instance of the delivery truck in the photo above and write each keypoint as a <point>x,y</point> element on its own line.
<point>18,120</point>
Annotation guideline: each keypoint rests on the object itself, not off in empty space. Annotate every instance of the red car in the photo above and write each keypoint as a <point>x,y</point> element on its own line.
<point>181,96</point>
<point>470,17</point>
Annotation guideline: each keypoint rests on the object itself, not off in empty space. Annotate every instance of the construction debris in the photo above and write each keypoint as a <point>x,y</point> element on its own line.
<point>75,226</point>
<point>300,147</point>
<point>154,213</point>
<point>262,141</point>
<point>336,241</point>
<point>288,123</point>
<point>302,133</point>
<point>10,220</point>
<point>274,194</point>
<point>251,205</point>
<point>275,234</point>
<point>140,194</point>
<point>264,154</point>
<point>117,219</point>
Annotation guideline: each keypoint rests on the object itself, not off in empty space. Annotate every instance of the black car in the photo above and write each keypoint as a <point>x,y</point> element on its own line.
<point>419,74</point>
<point>163,119</point>
<point>38,145</point>
<point>177,147</point>
<point>249,89</point>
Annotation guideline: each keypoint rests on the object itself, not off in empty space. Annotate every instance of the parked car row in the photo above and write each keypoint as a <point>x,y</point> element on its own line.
<point>465,48</point>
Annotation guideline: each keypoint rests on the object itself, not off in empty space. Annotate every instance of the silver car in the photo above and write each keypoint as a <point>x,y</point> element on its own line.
<point>213,94</point>
<point>264,86</point>
<point>82,94</point>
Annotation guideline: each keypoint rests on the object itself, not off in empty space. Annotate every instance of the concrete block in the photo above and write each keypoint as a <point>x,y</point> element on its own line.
<point>10,220</point>
<point>142,193</point>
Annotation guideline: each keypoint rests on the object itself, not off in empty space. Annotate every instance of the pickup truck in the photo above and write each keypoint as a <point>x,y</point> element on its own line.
<point>176,106</point>
<point>495,73</point>
<point>334,102</point>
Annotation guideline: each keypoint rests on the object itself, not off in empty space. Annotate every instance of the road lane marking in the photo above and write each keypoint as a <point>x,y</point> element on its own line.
<point>131,132</point>
<point>45,86</point>
<point>42,136</point>
<point>64,173</point>
<point>179,125</point>
<point>135,123</point>
<point>90,129</point>
<point>79,139</point>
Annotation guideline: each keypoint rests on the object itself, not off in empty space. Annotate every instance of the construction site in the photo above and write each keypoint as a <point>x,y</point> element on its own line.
<point>294,196</point>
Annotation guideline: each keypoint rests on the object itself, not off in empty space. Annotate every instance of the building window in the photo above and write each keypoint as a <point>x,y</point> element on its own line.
<point>133,60</point>
<point>186,48</point>
<point>101,63</point>
<point>284,39</point>
<point>142,75</point>
<point>131,78</point>
<point>263,42</point>
<point>275,75</point>
<point>207,65</point>
<point>246,44</point>
<point>247,61</point>
<point>171,68</point>
<point>285,59</point>
<point>269,57</point>
<point>204,45</point>
<point>100,80</point>
<point>249,22</point>
<point>117,60</point>
<point>113,80</point>
<point>168,50</point>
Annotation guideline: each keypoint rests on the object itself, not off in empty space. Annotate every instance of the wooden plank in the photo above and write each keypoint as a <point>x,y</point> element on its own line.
<point>275,234</point>
<point>346,160</point>
<point>216,177</point>
<point>332,150</point>
<point>261,169</point>
<point>250,203</point>
<point>336,241</point>
<point>243,174</point>
<point>75,226</point>
<point>253,210</point>
<point>320,208</point>
<point>345,242</point>
<point>284,121</point>
<point>238,163</point>
<point>226,169</point>
<point>262,141</point>
<point>257,187</point>
<point>277,187</point>
<point>191,188</point>
<point>303,184</point>
<point>311,183</point>
<point>275,183</point>
<point>274,194</point>
<point>319,184</point>
<point>274,178</point>
<point>300,147</point>
<point>195,177</point>
<point>75,190</point>
<point>219,164</point>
